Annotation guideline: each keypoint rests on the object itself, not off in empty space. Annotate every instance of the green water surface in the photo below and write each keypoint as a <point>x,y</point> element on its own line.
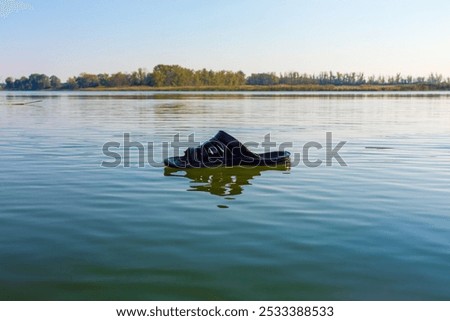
<point>376,229</point>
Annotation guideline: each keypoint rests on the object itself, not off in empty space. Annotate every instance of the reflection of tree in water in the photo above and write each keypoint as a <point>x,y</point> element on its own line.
<point>221,181</point>
<point>164,109</point>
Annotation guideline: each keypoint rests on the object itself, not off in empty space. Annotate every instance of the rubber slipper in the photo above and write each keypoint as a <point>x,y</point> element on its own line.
<point>224,150</point>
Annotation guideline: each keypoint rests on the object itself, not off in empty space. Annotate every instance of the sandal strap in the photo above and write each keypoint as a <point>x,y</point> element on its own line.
<point>213,149</point>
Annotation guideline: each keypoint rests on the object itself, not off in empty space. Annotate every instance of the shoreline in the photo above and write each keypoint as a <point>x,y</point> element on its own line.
<point>267,88</point>
<point>276,88</point>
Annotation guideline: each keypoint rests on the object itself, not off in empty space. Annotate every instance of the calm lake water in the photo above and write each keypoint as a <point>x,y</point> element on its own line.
<point>378,228</point>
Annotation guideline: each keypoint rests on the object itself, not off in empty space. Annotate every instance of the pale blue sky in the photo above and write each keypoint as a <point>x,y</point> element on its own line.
<point>66,38</point>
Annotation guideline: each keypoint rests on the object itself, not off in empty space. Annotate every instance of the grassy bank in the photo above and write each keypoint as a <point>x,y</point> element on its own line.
<point>421,87</point>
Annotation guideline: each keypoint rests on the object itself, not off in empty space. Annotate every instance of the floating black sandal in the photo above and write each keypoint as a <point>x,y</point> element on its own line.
<point>224,150</point>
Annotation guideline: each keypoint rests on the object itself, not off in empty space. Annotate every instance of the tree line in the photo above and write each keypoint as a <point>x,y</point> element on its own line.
<point>33,82</point>
<point>339,79</point>
<point>177,76</point>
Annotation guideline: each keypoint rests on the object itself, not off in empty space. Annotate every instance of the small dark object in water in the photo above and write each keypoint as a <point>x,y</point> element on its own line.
<point>376,147</point>
<point>20,103</point>
<point>224,150</point>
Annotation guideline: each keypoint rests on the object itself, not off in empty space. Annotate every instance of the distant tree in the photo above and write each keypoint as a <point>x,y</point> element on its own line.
<point>149,80</point>
<point>434,79</point>
<point>55,82</point>
<point>39,81</point>
<point>103,80</point>
<point>360,79</point>
<point>9,83</point>
<point>134,79</point>
<point>263,79</point>
<point>86,80</point>
<point>70,84</point>
<point>240,78</point>
<point>18,84</point>
<point>234,78</point>
<point>202,77</point>
<point>137,78</point>
<point>119,80</point>
<point>22,84</point>
<point>172,75</point>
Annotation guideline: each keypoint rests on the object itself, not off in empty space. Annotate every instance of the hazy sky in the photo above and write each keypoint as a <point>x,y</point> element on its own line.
<point>65,38</point>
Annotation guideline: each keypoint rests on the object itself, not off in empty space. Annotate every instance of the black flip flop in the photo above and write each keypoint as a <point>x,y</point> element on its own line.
<point>224,150</point>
